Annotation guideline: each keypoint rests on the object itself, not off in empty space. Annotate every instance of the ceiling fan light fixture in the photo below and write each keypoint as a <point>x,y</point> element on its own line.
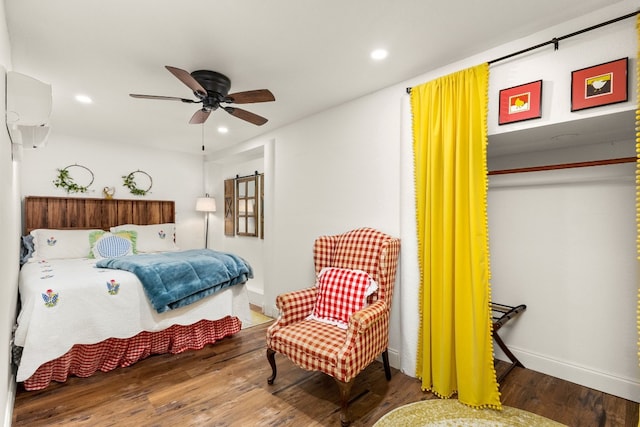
<point>223,129</point>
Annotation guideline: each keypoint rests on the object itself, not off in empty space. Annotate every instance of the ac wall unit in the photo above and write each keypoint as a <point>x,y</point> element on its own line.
<point>28,100</point>
<point>29,136</point>
<point>28,109</point>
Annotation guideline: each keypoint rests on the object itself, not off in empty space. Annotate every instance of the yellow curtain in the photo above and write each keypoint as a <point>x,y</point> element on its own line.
<point>455,346</point>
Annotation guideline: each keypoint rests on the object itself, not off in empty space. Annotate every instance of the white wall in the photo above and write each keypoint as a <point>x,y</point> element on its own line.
<point>10,229</point>
<point>348,167</point>
<point>250,248</point>
<point>176,176</point>
<point>563,243</point>
<point>333,172</point>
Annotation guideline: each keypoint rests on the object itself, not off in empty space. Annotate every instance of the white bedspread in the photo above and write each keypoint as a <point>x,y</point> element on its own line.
<point>67,302</point>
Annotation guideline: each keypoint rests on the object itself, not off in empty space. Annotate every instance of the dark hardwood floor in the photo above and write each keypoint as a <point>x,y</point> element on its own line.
<point>226,385</point>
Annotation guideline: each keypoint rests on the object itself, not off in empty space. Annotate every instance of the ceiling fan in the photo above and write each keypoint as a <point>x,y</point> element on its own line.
<point>211,90</point>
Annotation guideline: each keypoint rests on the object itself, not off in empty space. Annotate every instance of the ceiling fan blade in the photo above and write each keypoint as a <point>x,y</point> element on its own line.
<point>188,80</point>
<point>246,115</point>
<point>199,117</point>
<point>250,96</point>
<point>165,98</point>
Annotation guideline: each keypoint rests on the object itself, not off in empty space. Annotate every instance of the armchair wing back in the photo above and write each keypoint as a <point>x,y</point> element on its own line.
<point>337,352</point>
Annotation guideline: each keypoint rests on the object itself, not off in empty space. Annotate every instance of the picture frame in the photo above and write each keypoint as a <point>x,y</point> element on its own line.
<point>522,102</point>
<point>598,85</point>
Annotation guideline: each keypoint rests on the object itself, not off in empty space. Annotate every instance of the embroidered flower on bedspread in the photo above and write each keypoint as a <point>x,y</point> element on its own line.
<point>162,234</point>
<point>51,241</point>
<point>50,298</point>
<point>113,287</point>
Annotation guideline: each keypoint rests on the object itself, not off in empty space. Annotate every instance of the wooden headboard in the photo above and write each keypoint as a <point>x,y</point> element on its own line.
<point>73,212</point>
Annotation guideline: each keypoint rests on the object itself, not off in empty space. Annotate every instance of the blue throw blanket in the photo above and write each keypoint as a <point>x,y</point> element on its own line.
<point>176,279</point>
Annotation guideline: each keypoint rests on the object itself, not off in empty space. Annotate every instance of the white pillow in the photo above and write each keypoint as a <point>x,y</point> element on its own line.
<point>57,244</point>
<point>152,238</point>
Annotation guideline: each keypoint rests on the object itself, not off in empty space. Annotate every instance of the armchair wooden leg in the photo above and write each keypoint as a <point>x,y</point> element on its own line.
<point>271,357</point>
<point>385,362</point>
<point>345,391</point>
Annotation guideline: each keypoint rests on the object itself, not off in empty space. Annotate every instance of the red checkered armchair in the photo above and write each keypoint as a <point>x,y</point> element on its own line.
<point>318,346</point>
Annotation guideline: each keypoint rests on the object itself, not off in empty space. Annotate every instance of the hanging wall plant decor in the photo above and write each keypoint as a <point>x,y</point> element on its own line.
<point>65,181</point>
<point>129,181</point>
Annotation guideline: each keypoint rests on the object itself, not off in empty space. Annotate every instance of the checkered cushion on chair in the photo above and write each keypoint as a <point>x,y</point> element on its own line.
<point>311,344</point>
<point>341,292</point>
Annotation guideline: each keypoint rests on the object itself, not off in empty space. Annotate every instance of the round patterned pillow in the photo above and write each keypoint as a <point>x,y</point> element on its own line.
<point>110,246</point>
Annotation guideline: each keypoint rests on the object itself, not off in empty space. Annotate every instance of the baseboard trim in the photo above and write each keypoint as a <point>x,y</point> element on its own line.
<point>627,388</point>
<point>394,358</point>
<point>256,298</point>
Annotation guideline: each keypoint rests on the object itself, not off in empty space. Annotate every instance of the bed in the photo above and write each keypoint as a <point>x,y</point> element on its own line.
<point>80,315</point>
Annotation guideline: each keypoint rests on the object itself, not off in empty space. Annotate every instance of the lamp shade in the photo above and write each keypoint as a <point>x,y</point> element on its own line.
<point>206,204</point>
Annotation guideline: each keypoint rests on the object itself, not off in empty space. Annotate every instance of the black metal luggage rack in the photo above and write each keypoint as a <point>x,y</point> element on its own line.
<point>501,314</point>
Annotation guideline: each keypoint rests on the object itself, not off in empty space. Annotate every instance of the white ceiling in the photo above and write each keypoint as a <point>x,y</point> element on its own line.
<point>312,55</point>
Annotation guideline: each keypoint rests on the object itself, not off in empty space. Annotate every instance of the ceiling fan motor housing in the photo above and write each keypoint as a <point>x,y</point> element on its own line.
<point>214,83</point>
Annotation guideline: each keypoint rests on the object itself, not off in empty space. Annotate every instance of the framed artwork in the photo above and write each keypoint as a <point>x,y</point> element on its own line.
<point>599,85</point>
<point>519,103</point>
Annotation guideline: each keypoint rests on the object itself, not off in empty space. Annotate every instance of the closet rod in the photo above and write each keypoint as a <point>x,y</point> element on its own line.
<point>566,166</point>
<point>556,40</point>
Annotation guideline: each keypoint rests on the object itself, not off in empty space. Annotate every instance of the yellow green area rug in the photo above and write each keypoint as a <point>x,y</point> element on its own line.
<point>450,413</point>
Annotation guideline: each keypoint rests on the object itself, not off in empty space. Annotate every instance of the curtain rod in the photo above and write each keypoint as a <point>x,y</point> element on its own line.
<point>556,40</point>
<point>566,166</point>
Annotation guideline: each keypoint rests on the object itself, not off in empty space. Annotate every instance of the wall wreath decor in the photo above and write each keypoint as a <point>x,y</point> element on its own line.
<point>129,181</point>
<point>65,181</point>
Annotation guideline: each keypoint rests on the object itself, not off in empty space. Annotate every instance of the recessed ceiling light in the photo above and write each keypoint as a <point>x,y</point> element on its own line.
<point>379,54</point>
<point>223,129</point>
<point>84,99</point>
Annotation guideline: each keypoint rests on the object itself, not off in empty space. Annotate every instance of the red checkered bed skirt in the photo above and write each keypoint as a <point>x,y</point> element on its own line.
<point>85,360</point>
